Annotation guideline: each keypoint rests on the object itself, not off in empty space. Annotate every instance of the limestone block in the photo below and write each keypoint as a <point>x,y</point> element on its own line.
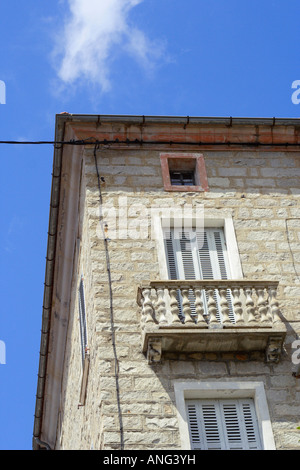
<point>159,423</point>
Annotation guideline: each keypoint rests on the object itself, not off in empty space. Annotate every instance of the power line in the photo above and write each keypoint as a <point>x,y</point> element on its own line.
<point>44,142</point>
<point>148,142</point>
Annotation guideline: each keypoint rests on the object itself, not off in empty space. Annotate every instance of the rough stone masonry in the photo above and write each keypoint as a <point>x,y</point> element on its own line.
<point>260,191</point>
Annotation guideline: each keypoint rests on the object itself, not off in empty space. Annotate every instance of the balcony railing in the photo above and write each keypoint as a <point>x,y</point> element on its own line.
<point>211,315</point>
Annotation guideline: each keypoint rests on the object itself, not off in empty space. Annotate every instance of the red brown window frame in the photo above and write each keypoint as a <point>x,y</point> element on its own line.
<point>200,171</point>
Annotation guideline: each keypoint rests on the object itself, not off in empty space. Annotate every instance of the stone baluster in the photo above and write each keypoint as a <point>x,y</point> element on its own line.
<point>261,304</point>
<point>250,305</point>
<point>148,311</point>
<point>224,306</point>
<point>212,307</point>
<point>238,309</point>
<point>199,307</point>
<point>174,306</point>
<point>274,305</point>
<point>186,306</point>
<point>161,306</point>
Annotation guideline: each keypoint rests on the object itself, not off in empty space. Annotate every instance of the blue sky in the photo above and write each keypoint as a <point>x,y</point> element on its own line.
<point>147,57</point>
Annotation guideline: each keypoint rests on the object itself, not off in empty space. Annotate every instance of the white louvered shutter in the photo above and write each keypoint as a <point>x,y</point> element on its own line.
<point>170,252</point>
<point>223,424</point>
<point>181,251</point>
<point>204,425</point>
<point>199,255</point>
<point>213,259</point>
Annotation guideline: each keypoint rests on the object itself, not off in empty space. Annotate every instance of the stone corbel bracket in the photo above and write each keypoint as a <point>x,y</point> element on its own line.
<point>154,351</point>
<point>274,349</point>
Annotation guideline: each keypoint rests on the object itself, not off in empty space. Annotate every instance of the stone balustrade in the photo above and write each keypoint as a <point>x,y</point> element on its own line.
<point>173,303</point>
<point>247,309</point>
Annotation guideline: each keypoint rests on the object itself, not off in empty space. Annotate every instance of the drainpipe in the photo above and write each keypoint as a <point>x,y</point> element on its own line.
<point>48,291</point>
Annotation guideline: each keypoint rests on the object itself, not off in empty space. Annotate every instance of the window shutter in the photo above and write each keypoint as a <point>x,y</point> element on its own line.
<point>251,425</point>
<point>187,259</point>
<point>181,261</point>
<point>223,266</point>
<point>223,424</point>
<point>211,426</point>
<point>214,264</point>
<point>194,426</point>
<point>172,266</point>
<point>221,252</point>
<point>82,319</point>
<point>204,425</point>
<point>240,424</point>
<point>232,425</point>
<point>204,258</point>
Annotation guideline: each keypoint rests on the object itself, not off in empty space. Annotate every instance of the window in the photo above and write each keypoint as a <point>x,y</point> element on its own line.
<point>162,224</point>
<point>223,424</point>
<point>83,343</point>
<point>182,178</point>
<point>184,172</point>
<point>198,254</point>
<point>223,415</point>
<point>82,320</point>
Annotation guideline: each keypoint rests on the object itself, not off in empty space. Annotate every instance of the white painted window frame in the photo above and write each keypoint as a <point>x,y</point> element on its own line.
<point>159,223</point>
<point>185,390</point>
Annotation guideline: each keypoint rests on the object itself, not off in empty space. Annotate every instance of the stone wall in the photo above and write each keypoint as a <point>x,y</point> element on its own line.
<point>261,192</point>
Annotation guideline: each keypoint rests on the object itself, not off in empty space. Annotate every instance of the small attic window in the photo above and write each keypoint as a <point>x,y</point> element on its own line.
<point>183,172</point>
<point>182,178</point>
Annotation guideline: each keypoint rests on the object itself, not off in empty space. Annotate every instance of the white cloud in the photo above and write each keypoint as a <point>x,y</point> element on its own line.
<point>94,33</point>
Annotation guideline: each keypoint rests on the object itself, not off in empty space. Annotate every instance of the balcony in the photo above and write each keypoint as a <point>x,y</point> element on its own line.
<point>210,316</point>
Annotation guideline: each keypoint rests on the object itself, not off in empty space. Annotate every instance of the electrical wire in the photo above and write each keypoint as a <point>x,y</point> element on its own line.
<point>116,362</point>
<point>149,142</point>
<point>289,243</point>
